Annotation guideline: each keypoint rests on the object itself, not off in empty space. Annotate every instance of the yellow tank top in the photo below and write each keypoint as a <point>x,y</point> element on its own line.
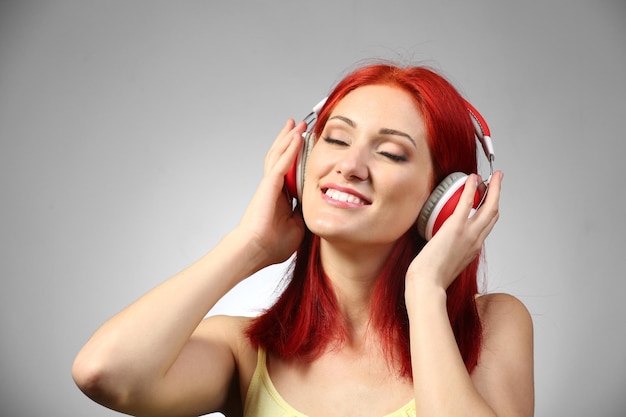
<point>263,400</point>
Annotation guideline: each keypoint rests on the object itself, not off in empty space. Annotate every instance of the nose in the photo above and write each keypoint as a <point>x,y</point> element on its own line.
<point>353,165</point>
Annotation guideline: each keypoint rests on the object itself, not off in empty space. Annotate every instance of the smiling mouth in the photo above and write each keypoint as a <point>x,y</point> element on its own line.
<point>344,197</point>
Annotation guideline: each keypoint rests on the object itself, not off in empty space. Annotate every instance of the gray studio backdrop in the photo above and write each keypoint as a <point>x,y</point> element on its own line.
<point>132,135</point>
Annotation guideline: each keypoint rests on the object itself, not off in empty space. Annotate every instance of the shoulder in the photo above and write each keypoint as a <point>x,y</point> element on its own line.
<point>505,371</point>
<point>500,310</point>
<point>228,330</point>
<point>505,319</point>
<point>231,334</point>
<point>497,304</point>
<point>228,335</point>
<point>232,326</point>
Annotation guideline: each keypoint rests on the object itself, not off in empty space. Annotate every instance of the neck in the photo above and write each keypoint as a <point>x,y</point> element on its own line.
<point>353,275</point>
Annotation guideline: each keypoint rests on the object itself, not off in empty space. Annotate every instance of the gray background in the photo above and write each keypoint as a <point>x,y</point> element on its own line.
<point>132,135</point>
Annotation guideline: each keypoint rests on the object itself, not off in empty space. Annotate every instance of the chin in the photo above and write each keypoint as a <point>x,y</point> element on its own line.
<point>325,228</point>
<point>355,236</point>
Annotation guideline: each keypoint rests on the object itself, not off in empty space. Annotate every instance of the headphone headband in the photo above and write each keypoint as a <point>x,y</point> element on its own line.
<point>482,131</point>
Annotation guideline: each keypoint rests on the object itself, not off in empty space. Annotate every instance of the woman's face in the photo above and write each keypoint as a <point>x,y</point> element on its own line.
<point>370,171</point>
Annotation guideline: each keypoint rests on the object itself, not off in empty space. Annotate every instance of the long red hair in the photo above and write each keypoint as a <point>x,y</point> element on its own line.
<point>305,319</point>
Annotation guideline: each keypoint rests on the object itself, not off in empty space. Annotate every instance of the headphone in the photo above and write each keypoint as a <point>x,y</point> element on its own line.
<point>443,199</point>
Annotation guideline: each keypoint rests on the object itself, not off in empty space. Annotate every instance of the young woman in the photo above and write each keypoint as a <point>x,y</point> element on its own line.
<point>376,320</point>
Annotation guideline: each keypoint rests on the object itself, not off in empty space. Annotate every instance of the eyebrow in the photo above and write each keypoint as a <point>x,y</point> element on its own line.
<point>382,131</point>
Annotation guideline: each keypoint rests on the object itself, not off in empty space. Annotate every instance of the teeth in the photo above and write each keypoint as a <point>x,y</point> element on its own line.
<point>344,197</point>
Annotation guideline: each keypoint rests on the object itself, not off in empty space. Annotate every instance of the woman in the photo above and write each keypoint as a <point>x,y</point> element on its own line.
<point>375,321</point>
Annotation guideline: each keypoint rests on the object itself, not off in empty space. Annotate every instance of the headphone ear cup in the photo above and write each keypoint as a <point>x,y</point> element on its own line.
<point>307,147</point>
<point>294,180</point>
<point>440,204</point>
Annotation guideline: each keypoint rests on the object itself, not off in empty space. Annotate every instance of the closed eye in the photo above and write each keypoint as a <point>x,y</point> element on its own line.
<point>335,141</point>
<point>394,157</point>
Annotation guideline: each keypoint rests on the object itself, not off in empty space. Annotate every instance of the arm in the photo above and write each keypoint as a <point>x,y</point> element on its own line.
<point>159,356</point>
<point>502,383</point>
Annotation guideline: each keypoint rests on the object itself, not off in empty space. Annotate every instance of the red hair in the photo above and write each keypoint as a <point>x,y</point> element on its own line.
<point>306,319</point>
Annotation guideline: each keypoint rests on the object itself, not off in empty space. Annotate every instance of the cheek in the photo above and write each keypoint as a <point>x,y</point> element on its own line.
<point>316,167</point>
<point>309,185</point>
<point>412,195</point>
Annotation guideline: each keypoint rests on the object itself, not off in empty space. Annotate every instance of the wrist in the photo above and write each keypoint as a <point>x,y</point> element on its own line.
<point>424,293</point>
<point>242,254</point>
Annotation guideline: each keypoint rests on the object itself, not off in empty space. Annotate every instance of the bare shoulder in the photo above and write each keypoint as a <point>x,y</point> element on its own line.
<point>231,333</point>
<point>230,327</point>
<point>505,372</point>
<point>507,327</point>
<point>502,309</point>
<point>230,330</point>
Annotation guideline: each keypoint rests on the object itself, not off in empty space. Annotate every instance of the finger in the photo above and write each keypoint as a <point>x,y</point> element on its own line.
<point>286,136</point>
<point>492,199</point>
<point>286,159</point>
<point>489,212</point>
<point>282,158</point>
<point>279,143</point>
<point>290,133</point>
<point>466,201</point>
<point>495,186</point>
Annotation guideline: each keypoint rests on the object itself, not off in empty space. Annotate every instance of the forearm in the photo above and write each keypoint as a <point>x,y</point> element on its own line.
<point>441,381</point>
<point>141,343</point>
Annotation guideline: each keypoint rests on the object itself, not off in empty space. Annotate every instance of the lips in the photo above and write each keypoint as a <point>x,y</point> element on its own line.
<point>345,196</point>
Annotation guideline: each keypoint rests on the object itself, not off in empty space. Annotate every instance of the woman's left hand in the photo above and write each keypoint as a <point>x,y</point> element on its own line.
<point>460,238</point>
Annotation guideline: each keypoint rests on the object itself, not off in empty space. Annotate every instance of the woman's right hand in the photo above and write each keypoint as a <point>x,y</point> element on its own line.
<point>182,361</point>
<point>274,227</point>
